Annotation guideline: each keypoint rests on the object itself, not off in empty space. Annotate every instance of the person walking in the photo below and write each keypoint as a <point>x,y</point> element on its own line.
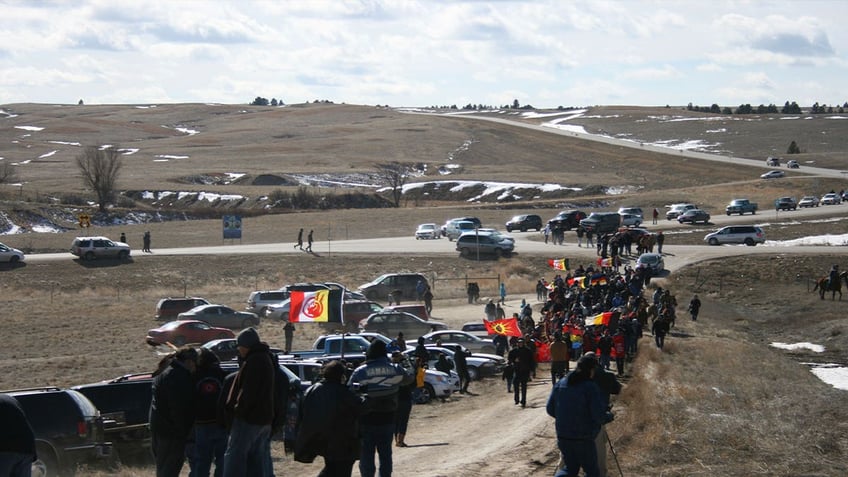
<point>210,436</point>
<point>559,358</point>
<point>589,242</point>
<point>607,385</point>
<point>694,307</point>
<point>123,237</point>
<point>309,242</point>
<point>379,380</point>
<point>145,240</point>
<point>576,405</point>
<point>299,243</point>
<point>428,300</point>
<point>251,404</point>
<point>660,240</point>
<point>490,310</point>
<point>329,412</point>
<point>522,361</point>
<point>580,237</point>
<point>659,329</point>
<point>172,412</point>
<point>404,409</point>
<point>289,330</point>
<point>656,215</point>
<point>459,357</point>
<point>503,293</point>
<point>17,439</point>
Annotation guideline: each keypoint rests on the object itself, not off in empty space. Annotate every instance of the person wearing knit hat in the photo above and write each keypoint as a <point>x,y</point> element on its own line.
<point>576,404</point>
<point>251,403</point>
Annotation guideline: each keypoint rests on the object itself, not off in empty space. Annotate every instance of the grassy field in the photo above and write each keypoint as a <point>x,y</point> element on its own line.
<point>718,401</point>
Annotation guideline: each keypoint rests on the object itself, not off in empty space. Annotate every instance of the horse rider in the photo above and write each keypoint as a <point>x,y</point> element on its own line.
<point>833,278</point>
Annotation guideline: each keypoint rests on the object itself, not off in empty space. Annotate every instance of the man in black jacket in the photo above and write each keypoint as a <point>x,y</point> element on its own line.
<point>17,440</point>
<point>172,412</point>
<point>251,402</point>
<point>210,435</point>
<point>523,361</point>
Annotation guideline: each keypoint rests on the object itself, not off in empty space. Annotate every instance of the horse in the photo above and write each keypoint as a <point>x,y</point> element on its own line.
<point>823,286</point>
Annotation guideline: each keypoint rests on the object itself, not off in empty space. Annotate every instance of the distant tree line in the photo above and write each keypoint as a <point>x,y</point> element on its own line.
<point>788,108</point>
<point>260,101</point>
<point>482,107</point>
<point>304,199</point>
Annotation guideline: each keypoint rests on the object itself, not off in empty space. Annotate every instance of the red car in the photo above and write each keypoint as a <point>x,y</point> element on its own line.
<point>189,331</point>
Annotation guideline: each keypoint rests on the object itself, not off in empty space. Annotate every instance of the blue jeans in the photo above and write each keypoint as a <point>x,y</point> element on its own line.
<point>15,464</point>
<point>578,454</point>
<point>210,444</point>
<point>247,450</point>
<point>605,361</point>
<point>376,437</point>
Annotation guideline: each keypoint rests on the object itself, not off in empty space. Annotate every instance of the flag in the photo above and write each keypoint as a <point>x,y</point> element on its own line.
<point>309,306</point>
<point>508,327</point>
<point>599,319</point>
<point>558,263</point>
<point>604,262</point>
<point>543,352</point>
<point>599,279</point>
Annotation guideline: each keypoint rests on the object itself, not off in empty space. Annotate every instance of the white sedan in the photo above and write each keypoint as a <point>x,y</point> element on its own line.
<point>773,175</point>
<point>11,255</point>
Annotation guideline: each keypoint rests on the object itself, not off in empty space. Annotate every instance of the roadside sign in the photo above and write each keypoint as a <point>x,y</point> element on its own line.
<point>232,227</point>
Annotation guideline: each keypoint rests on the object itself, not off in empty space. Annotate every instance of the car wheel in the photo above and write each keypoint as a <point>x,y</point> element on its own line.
<point>713,241</point>
<point>473,373</point>
<point>498,253</point>
<point>424,394</point>
<point>509,229</point>
<point>465,252</point>
<point>524,229</point>
<point>248,322</point>
<point>46,464</point>
<point>123,254</point>
<point>89,256</point>
<point>749,242</point>
<point>14,259</point>
<point>638,224</point>
<point>728,214</point>
<point>178,340</point>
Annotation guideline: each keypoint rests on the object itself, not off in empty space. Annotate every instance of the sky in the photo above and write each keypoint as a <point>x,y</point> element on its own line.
<point>420,53</point>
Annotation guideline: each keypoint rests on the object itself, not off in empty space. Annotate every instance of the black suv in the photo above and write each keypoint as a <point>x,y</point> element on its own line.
<point>68,429</point>
<point>567,219</point>
<point>168,308</point>
<point>124,403</point>
<point>524,223</point>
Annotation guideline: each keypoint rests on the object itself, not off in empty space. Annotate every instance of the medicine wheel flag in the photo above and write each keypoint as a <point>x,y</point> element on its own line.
<point>508,327</point>
<point>599,319</point>
<point>309,306</point>
<point>558,263</point>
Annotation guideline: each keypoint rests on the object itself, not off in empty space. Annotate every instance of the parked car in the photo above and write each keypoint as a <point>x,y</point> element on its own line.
<point>307,370</point>
<point>179,333</point>
<point>773,161</point>
<point>477,223</point>
<point>808,201</point>
<point>259,300</point>
<point>468,340</point>
<point>456,228</point>
<point>601,222</point>
<point>68,428</point>
<point>391,323</point>
<point>427,231</point>
<point>484,243</point>
<point>567,219</point>
<point>635,233</point>
<point>478,368</point>
<point>10,255</point>
<point>226,349</point>
<point>792,164</point>
<point>355,311</point>
<point>831,198</point>
<point>279,311</point>
<point>736,234</point>
<point>631,211</point>
<point>785,203</point>
<point>524,223</point>
<point>167,309</point>
<point>677,209</point>
<point>652,261</point>
<point>90,248</point>
<point>124,403</point>
<point>405,283</point>
<point>220,315</point>
<point>477,328</point>
<point>772,174</point>
<point>630,220</point>
<point>417,309</point>
<point>693,216</point>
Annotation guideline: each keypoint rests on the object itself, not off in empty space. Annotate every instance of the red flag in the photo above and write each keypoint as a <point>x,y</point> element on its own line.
<point>508,327</point>
<point>543,352</point>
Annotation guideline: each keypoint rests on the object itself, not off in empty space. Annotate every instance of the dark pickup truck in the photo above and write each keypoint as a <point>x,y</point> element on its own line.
<point>125,404</point>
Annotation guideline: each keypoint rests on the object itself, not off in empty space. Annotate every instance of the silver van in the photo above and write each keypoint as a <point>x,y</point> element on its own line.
<point>454,229</point>
<point>748,234</point>
<point>401,285</point>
